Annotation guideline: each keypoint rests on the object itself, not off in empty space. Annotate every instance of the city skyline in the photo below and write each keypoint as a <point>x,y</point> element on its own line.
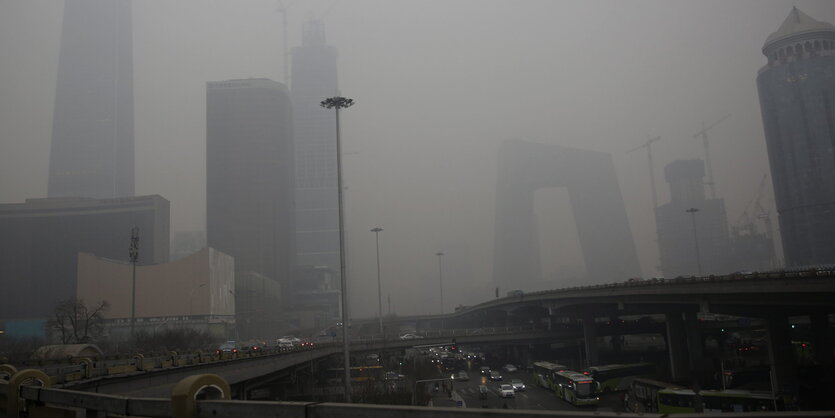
<point>407,137</point>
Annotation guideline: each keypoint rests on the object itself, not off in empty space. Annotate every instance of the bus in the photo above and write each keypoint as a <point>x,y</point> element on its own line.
<point>619,376</point>
<point>653,396</point>
<point>576,388</point>
<point>544,374</point>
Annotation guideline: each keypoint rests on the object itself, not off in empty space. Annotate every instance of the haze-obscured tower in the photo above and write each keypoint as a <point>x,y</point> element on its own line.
<point>317,210</point>
<point>599,214</point>
<point>797,98</point>
<point>92,125</point>
<point>249,185</point>
<point>676,243</point>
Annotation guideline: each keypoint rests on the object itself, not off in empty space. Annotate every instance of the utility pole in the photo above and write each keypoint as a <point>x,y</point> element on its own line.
<point>441,278</point>
<point>376,232</point>
<point>692,212</point>
<point>337,103</point>
<point>133,253</point>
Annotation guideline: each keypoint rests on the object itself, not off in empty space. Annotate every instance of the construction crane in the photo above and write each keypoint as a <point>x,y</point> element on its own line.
<point>648,146</point>
<point>703,134</point>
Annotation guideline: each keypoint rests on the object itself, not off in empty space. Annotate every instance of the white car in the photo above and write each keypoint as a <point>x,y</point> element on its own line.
<point>410,337</point>
<point>509,368</point>
<point>507,391</point>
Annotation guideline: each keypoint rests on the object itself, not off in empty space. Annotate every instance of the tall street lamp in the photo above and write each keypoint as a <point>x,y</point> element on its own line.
<point>692,212</point>
<point>133,253</point>
<point>337,103</point>
<point>376,232</point>
<point>441,278</point>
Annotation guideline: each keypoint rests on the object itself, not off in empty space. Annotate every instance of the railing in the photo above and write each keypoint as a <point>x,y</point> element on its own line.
<point>72,370</point>
<point>20,398</point>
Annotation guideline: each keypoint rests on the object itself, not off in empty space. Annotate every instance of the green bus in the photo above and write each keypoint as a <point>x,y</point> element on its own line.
<point>648,395</point>
<point>544,374</point>
<point>613,377</point>
<point>576,388</point>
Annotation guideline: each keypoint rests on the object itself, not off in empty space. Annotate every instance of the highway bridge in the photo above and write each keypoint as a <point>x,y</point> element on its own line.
<point>588,312</point>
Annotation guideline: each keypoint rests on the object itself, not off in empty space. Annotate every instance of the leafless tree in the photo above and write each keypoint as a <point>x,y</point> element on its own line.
<point>78,323</point>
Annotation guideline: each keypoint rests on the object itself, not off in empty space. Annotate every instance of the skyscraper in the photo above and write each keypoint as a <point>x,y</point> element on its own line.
<point>317,209</point>
<point>249,179</point>
<point>92,126</point>
<point>797,99</point>
<point>682,253</point>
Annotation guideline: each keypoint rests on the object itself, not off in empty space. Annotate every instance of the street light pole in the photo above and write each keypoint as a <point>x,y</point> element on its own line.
<point>376,232</point>
<point>441,278</point>
<point>336,103</point>
<point>133,253</point>
<point>692,212</point>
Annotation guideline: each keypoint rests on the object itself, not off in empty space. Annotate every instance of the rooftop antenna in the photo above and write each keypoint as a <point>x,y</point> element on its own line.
<point>703,134</point>
<point>648,146</point>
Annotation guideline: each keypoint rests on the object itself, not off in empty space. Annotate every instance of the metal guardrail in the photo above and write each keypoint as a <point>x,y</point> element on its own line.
<point>18,399</point>
<point>74,370</point>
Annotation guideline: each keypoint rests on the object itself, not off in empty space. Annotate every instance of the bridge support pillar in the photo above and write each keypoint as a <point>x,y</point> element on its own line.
<point>677,347</point>
<point>616,335</point>
<point>589,337</point>
<point>781,355</point>
<point>695,349</point>
<point>821,338</point>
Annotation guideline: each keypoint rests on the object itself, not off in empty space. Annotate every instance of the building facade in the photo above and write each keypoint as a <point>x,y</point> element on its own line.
<point>797,100</point>
<point>92,151</point>
<point>197,292</point>
<point>41,238</point>
<point>683,253</point>
<point>250,176</point>
<point>314,78</point>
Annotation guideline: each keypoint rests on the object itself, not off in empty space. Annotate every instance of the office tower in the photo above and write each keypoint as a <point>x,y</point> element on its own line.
<point>317,208</point>
<point>41,238</point>
<point>683,253</point>
<point>797,99</point>
<point>92,126</point>
<point>249,178</point>
<point>596,201</point>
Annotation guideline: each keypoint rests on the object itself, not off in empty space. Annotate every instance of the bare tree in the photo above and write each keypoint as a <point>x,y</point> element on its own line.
<point>78,323</point>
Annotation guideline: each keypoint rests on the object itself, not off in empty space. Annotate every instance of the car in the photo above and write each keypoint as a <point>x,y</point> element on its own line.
<point>507,391</point>
<point>485,370</point>
<point>292,339</point>
<point>462,376</point>
<point>483,392</point>
<point>284,343</point>
<point>518,385</point>
<point>509,368</point>
<point>410,337</point>
<point>495,376</point>
<point>228,347</point>
<point>307,344</point>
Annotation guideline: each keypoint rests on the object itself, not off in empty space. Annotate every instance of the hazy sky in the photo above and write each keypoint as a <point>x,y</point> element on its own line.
<point>438,85</point>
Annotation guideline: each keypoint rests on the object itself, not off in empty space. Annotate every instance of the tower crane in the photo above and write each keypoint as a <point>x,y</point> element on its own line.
<point>648,146</point>
<point>703,135</point>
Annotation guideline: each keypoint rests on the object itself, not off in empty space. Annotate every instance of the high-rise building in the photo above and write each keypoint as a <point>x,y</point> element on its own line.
<point>92,126</point>
<point>797,99</point>
<point>249,177</point>
<point>41,238</point>
<point>317,209</point>
<point>597,204</point>
<point>683,253</point>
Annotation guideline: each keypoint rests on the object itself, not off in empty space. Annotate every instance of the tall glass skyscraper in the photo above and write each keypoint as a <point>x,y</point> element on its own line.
<point>92,127</point>
<point>317,210</point>
<point>797,99</point>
